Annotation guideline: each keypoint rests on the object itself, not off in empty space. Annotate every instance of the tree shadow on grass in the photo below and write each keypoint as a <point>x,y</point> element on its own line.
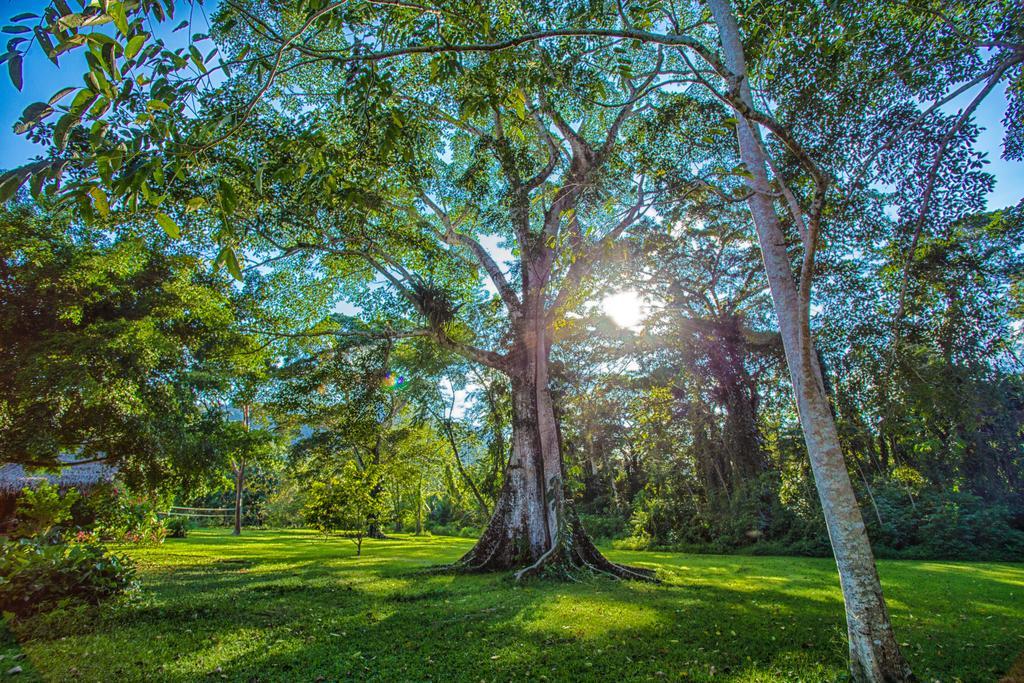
<point>299,612</point>
<point>448,630</point>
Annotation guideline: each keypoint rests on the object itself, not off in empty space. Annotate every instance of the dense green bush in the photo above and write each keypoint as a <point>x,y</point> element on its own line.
<point>177,527</point>
<point>124,517</point>
<point>604,527</point>
<point>36,575</point>
<point>455,529</point>
<point>752,520</point>
<point>43,509</point>
<point>912,524</point>
<point>108,511</point>
<point>283,507</point>
<point>941,525</point>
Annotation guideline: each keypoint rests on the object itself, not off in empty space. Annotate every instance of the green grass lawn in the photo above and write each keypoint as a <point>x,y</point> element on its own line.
<point>287,606</point>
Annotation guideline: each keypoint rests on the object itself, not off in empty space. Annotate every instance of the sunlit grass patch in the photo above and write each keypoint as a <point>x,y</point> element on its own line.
<point>289,605</point>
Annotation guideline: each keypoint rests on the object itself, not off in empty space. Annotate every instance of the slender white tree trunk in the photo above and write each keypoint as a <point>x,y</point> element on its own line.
<point>874,652</point>
<point>419,506</point>
<point>240,475</point>
<point>239,486</point>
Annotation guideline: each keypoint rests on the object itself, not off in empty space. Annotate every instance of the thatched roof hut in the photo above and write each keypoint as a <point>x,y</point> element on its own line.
<point>13,478</point>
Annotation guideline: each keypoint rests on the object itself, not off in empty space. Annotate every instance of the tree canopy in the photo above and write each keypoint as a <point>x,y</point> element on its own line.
<point>420,189</point>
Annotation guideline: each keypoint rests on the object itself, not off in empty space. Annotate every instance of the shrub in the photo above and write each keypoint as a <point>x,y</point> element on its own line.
<point>937,524</point>
<point>345,505</point>
<point>604,527</point>
<point>283,507</point>
<point>633,543</point>
<point>177,527</point>
<point>126,518</point>
<point>41,509</point>
<point>455,529</point>
<point>36,576</point>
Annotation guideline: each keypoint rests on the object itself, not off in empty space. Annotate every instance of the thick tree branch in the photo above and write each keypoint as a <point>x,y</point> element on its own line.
<point>373,335</point>
<point>672,40</point>
<point>584,262</point>
<point>452,237</point>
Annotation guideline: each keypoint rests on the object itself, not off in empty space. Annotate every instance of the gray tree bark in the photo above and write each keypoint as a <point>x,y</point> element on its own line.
<point>534,527</point>
<point>874,653</point>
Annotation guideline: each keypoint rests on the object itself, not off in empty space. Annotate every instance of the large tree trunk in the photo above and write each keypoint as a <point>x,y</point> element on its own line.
<point>874,653</point>
<point>534,527</point>
<point>742,437</point>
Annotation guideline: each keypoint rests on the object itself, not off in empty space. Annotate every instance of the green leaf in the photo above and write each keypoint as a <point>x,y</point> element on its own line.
<point>169,226</point>
<point>9,184</point>
<point>519,103</point>
<point>83,100</point>
<point>259,180</point>
<point>44,40</point>
<point>155,105</point>
<point>33,114</point>
<point>120,17</point>
<point>197,58</point>
<point>14,69</point>
<point>110,60</point>
<point>228,198</point>
<point>133,46</point>
<point>99,200</point>
<point>232,263</point>
<point>69,21</point>
<point>100,108</point>
<point>63,128</point>
<point>60,94</point>
<point>230,260</point>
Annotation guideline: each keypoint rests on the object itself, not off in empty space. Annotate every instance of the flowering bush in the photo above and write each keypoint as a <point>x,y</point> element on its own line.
<point>83,536</point>
<point>51,564</point>
<point>123,517</point>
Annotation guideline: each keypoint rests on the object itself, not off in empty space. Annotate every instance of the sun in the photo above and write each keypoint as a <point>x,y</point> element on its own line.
<point>626,309</point>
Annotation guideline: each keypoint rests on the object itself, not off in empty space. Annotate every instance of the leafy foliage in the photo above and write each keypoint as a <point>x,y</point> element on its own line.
<point>178,527</point>
<point>37,575</point>
<point>345,505</point>
<point>379,155</point>
<point>108,348</point>
<point>42,508</point>
<point>124,516</point>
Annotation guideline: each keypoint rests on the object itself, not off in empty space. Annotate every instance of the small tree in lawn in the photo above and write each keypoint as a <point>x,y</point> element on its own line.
<point>345,504</point>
